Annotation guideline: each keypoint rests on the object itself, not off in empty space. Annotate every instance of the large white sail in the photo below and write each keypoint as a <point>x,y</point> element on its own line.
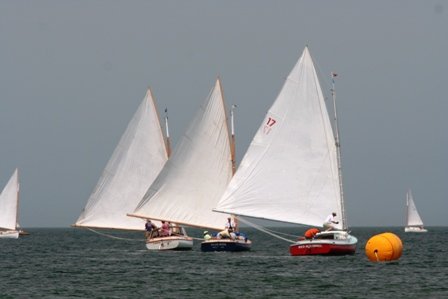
<point>413,218</point>
<point>290,170</point>
<point>135,163</point>
<point>9,199</point>
<point>197,173</point>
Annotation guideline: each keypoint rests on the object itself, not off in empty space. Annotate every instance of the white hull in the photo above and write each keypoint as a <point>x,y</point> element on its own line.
<point>170,243</point>
<point>413,229</point>
<point>9,234</point>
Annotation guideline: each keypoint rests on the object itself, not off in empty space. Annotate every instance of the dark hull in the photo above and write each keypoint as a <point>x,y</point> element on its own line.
<point>226,245</point>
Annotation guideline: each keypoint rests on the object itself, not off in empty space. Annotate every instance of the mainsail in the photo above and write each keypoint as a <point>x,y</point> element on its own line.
<point>197,173</point>
<point>290,170</point>
<point>413,218</point>
<point>9,200</point>
<point>135,163</point>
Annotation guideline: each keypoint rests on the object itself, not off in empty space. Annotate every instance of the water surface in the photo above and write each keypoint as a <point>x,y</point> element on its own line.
<point>74,263</point>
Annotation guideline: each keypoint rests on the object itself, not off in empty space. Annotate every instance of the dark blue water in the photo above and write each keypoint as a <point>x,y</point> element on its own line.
<point>73,263</point>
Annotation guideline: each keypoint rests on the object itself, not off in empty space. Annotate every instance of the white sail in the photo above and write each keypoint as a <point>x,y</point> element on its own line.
<point>9,200</point>
<point>135,163</point>
<point>197,173</point>
<point>290,170</point>
<point>413,218</point>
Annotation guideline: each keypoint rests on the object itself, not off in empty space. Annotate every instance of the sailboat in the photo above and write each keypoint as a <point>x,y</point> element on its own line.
<point>291,171</point>
<point>136,161</point>
<point>414,223</point>
<point>9,204</point>
<point>197,173</point>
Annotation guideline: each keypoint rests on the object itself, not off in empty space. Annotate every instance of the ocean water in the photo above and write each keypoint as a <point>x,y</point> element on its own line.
<point>74,263</point>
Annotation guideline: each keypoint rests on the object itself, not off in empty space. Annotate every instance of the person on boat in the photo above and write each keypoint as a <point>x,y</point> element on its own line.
<point>329,221</point>
<point>230,225</point>
<point>241,236</point>
<point>171,229</point>
<point>229,230</point>
<point>174,229</point>
<point>149,227</point>
<point>207,236</point>
<point>165,229</point>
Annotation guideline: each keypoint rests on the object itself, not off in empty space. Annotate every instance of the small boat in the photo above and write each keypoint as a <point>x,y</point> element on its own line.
<point>197,173</point>
<point>134,165</point>
<point>9,205</point>
<point>229,239</point>
<point>336,242</point>
<point>414,223</point>
<point>291,171</point>
<point>177,240</point>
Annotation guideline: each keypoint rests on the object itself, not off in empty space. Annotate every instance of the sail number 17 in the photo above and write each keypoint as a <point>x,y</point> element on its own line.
<point>268,126</point>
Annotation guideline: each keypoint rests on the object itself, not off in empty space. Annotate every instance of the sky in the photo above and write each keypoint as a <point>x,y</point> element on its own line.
<point>72,74</point>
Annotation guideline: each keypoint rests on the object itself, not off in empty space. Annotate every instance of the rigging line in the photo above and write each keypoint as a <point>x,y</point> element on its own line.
<point>113,237</point>
<point>280,233</point>
<point>260,228</point>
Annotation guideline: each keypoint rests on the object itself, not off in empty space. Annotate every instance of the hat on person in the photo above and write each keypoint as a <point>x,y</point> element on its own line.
<point>205,232</point>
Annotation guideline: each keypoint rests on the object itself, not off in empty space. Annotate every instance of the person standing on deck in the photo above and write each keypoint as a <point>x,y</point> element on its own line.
<point>149,227</point>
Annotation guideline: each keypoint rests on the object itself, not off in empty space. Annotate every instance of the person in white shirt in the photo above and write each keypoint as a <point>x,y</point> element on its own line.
<point>229,231</point>
<point>329,221</point>
<point>230,225</point>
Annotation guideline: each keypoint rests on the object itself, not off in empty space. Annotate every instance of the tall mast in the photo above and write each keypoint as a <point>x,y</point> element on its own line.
<point>338,150</point>
<point>18,191</point>
<point>232,142</point>
<point>168,144</point>
<point>232,153</point>
<point>407,208</point>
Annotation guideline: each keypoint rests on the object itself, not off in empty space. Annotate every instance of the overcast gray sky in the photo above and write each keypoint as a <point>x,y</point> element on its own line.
<point>72,74</point>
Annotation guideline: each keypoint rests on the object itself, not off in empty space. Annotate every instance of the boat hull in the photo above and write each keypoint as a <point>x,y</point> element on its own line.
<point>170,243</point>
<point>226,245</point>
<point>9,234</point>
<point>325,243</point>
<point>319,248</point>
<point>413,229</point>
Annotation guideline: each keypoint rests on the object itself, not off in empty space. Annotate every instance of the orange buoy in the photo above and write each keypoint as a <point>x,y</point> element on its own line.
<point>384,247</point>
<point>309,234</point>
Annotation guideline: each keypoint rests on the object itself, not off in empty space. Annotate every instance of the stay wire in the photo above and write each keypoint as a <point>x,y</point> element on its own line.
<point>114,237</point>
<point>262,229</point>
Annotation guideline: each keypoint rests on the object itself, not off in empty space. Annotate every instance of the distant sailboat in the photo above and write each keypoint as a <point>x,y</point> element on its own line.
<point>414,223</point>
<point>135,163</point>
<point>9,204</point>
<point>196,175</point>
<point>291,170</point>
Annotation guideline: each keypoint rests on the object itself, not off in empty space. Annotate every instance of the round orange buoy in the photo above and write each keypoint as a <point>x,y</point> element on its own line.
<point>384,247</point>
<point>309,234</point>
